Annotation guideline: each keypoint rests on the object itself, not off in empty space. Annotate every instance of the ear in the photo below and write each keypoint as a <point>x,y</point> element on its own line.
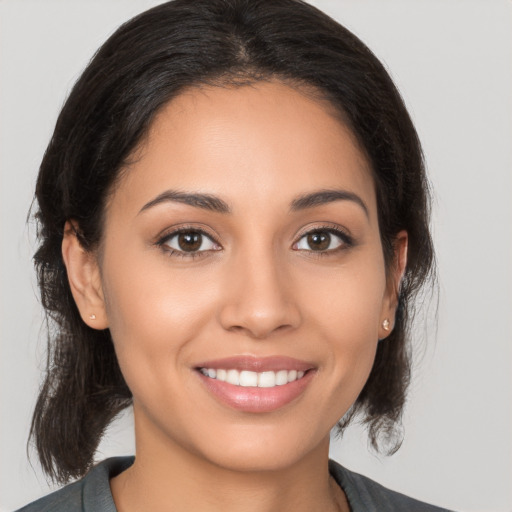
<point>84,278</point>
<point>395,275</point>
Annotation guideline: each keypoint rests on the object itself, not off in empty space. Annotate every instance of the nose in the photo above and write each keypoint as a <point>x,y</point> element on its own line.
<point>259,299</point>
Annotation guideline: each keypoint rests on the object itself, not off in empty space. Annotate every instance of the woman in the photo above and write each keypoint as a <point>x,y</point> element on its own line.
<point>234,223</point>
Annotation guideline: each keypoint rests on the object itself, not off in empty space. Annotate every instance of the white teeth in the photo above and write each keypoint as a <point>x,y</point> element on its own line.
<point>247,378</point>
<point>233,377</point>
<point>266,380</point>
<point>281,377</point>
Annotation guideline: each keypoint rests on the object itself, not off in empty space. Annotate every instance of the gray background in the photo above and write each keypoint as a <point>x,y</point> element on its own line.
<point>452,61</point>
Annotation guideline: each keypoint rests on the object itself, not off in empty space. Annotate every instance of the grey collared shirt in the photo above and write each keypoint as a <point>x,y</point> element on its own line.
<point>92,493</point>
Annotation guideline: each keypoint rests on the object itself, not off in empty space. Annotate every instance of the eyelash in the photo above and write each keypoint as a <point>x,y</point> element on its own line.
<point>161,242</point>
<point>347,241</point>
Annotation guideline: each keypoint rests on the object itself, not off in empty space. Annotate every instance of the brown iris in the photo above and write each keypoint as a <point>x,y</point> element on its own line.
<point>190,241</point>
<point>319,240</point>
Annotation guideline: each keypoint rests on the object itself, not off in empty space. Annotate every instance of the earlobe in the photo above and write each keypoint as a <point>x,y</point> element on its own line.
<point>84,278</point>
<point>395,277</point>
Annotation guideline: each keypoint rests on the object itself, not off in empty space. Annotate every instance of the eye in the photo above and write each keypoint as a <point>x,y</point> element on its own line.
<point>322,240</point>
<point>189,241</point>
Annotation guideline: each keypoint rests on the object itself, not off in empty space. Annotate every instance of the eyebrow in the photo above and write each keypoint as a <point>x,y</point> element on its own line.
<point>204,201</point>
<point>326,196</point>
<point>213,203</point>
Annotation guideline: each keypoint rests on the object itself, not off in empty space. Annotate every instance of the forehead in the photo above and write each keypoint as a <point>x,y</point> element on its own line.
<point>247,144</point>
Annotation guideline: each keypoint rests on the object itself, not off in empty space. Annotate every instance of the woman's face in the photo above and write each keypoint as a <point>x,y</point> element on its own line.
<point>243,276</point>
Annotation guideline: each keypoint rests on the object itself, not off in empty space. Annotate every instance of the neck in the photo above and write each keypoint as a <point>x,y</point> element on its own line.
<point>165,476</point>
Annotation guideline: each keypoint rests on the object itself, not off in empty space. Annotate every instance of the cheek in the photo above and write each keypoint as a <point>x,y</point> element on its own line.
<point>154,314</point>
<point>345,308</point>
<point>348,300</point>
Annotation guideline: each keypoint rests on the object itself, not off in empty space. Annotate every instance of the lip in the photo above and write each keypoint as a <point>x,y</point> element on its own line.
<point>255,399</point>
<point>258,364</point>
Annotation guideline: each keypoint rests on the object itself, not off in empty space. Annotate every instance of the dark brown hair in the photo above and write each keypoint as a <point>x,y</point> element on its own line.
<point>144,64</point>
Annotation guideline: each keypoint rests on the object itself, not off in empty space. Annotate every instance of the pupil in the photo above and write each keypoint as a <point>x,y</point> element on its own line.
<point>319,241</point>
<point>189,241</point>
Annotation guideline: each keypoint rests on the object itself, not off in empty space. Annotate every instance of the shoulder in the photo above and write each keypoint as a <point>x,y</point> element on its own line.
<point>67,498</point>
<point>90,494</point>
<point>366,495</point>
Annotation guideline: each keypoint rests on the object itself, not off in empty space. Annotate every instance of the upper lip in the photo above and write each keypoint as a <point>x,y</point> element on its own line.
<point>257,364</point>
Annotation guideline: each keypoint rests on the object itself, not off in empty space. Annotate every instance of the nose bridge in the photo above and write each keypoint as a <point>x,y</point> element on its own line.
<point>259,298</point>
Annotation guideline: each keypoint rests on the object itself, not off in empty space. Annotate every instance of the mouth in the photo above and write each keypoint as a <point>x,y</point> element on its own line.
<point>256,385</point>
<point>247,378</point>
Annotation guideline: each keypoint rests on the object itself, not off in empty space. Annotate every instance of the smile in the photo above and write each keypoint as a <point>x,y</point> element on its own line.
<point>256,385</point>
<point>246,378</point>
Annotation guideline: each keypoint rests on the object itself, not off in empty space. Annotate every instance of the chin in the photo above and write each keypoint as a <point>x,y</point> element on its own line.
<point>256,458</point>
<point>262,448</point>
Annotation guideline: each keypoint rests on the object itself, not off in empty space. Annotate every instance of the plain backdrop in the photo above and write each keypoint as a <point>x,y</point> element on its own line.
<point>452,61</point>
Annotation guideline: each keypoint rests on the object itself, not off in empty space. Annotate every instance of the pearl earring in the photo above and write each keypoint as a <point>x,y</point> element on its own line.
<point>385,324</point>
<point>92,317</point>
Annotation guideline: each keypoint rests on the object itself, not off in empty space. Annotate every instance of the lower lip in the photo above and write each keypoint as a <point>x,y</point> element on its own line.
<point>253,399</point>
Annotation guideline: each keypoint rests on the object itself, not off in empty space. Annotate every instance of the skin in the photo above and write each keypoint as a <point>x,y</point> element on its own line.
<point>258,289</point>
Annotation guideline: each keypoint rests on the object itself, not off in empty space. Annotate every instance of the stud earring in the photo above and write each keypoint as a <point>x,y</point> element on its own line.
<point>92,317</point>
<point>385,324</point>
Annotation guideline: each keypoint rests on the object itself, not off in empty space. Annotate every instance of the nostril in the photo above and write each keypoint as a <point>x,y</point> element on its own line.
<point>259,332</point>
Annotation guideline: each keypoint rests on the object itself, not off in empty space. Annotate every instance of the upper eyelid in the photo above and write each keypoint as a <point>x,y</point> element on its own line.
<point>347,240</point>
<point>331,228</point>
<point>172,232</point>
<point>164,239</point>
